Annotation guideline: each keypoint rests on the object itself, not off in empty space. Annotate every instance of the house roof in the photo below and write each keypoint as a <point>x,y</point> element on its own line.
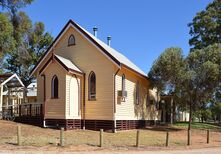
<point>33,84</point>
<point>65,63</point>
<point>68,64</point>
<point>11,80</point>
<point>120,57</point>
<point>114,55</point>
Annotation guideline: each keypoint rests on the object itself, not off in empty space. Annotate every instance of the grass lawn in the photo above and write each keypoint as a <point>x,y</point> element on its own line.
<point>153,137</point>
<point>197,125</point>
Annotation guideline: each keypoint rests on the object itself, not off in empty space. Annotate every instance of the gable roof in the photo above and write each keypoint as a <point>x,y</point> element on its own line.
<point>111,53</point>
<point>65,63</point>
<point>68,64</point>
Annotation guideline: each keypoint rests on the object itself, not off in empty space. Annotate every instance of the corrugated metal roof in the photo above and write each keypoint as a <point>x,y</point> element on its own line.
<point>120,57</point>
<point>68,63</point>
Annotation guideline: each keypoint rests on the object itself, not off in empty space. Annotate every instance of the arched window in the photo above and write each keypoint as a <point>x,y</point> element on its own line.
<point>71,40</point>
<point>123,83</point>
<point>137,93</point>
<point>92,86</point>
<point>54,87</point>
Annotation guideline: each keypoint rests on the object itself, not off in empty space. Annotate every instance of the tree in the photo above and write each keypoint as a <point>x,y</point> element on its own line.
<point>31,41</point>
<point>6,39</point>
<point>205,27</point>
<point>193,79</point>
<point>166,72</point>
<point>27,54</point>
<point>202,76</point>
<point>218,110</point>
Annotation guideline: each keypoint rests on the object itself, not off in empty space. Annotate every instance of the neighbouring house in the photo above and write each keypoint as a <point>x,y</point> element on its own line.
<point>84,83</point>
<point>32,93</point>
<point>168,108</point>
<point>10,90</point>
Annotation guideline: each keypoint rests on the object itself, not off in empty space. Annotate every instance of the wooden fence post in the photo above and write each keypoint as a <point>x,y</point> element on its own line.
<point>19,110</point>
<point>208,136</point>
<point>62,137</point>
<point>138,138</point>
<point>167,139</point>
<point>30,108</point>
<point>101,137</point>
<point>18,135</point>
<point>11,108</point>
<point>188,137</point>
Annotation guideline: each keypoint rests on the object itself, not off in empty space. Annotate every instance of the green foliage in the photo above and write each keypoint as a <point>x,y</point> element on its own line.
<point>167,68</point>
<point>31,40</point>
<point>22,60</point>
<point>197,125</point>
<point>14,5</point>
<point>6,39</point>
<point>205,28</point>
<point>203,114</point>
<point>193,78</point>
<point>216,108</point>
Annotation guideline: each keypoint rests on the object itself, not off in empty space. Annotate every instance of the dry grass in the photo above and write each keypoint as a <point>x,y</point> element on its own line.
<point>152,137</point>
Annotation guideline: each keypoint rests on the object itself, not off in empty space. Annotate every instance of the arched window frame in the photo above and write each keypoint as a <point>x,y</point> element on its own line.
<point>54,87</point>
<point>71,40</point>
<point>137,93</point>
<point>91,93</point>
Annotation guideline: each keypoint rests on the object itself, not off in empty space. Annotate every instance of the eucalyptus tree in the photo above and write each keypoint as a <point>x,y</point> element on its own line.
<point>166,71</point>
<point>205,28</point>
<point>6,39</point>
<point>31,40</point>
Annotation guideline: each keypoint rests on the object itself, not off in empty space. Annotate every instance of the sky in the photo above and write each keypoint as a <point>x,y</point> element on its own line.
<point>140,29</point>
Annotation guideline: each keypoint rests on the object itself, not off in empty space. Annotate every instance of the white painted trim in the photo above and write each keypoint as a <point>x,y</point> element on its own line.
<point>70,25</point>
<point>11,77</point>
<point>1,97</point>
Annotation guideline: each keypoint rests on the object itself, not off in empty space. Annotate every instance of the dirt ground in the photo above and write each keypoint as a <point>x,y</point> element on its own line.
<point>45,139</point>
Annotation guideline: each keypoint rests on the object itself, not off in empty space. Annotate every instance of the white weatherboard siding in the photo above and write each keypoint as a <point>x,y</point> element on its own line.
<point>128,109</point>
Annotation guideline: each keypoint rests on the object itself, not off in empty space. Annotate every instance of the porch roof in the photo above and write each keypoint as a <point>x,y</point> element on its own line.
<point>67,64</point>
<point>10,80</point>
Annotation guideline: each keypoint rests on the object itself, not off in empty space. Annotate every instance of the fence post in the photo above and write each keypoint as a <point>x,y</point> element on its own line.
<point>30,108</point>
<point>41,110</point>
<point>62,137</point>
<point>19,110</point>
<point>138,138</point>
<point>208,136</point>
<point>11,108</point>
<point>18,135</point>
<point>101,137</point>
<point>167,139</point>
<point>188,137</point>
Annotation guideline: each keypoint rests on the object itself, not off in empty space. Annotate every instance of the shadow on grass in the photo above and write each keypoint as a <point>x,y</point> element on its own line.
<point>10,143</point>
<point>163,128</point>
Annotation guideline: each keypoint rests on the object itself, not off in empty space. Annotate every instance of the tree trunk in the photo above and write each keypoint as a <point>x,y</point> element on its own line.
<point>174,111</point>
<point>190,116</point>
<point>219,118</point>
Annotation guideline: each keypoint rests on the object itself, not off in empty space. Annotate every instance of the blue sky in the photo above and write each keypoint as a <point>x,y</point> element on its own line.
<point>140,29</point>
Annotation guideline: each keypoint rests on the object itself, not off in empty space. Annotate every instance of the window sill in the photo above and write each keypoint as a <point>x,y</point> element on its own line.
<point>69,45</point>
<point>92,99</point>
<point>54,98</point>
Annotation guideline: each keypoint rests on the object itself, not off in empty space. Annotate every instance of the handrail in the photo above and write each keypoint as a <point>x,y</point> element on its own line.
<point>22,104</point>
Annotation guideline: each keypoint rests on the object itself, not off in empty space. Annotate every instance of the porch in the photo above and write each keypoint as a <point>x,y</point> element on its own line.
<point>28,113</point>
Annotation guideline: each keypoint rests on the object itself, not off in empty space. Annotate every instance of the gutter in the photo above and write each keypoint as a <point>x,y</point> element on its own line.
<point>114,111</point>
<point>84,108</point>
